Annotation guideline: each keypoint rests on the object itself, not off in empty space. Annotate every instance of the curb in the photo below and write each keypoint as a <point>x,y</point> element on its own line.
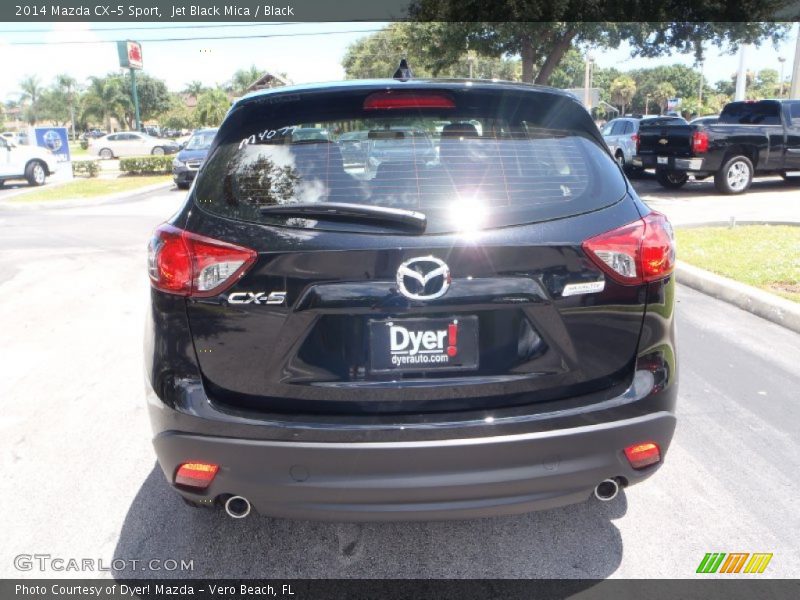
<point>768,306</point>
<point>117,198</point>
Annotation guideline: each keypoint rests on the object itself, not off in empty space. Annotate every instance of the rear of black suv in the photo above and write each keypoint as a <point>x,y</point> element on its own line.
<point>478,322</point>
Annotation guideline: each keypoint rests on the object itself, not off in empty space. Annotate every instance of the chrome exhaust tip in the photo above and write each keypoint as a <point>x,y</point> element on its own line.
<point>606,490</point>
<point>237,507</point>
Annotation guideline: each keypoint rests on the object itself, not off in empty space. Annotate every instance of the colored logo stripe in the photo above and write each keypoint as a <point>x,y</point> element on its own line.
<point>713,562</point>
<point>758,563</point>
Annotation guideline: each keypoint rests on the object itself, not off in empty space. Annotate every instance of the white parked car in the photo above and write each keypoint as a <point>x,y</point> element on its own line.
<point>130,143</point>
<point>25,162</point>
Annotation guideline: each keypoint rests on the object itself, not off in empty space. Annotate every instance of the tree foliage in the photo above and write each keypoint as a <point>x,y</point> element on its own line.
<point>212,106</point>
<point>542,31</point>
<point>31,91</point>
<point>105,98</point>
<point>622,90</point>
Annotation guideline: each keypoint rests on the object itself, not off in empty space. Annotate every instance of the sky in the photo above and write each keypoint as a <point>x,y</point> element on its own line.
<point>307,52</point>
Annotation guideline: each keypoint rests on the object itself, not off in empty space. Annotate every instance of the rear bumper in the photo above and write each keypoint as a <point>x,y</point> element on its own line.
<point>420,480</point>
<point>678,164</point>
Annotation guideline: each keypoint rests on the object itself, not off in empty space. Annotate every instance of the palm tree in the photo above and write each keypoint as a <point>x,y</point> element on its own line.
<point>31,92</point>
<point>68,88</point>
<point>194,88</point>
<point>623,89</point>
<point>243,78</point>
<point>212,106</point>
<point>105,98</point>
<point>662,93</point>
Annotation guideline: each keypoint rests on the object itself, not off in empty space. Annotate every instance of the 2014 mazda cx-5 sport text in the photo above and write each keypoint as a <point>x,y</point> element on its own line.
<point>462,310</point>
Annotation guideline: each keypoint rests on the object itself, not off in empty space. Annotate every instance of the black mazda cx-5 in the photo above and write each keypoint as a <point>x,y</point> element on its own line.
<point>478,322</point>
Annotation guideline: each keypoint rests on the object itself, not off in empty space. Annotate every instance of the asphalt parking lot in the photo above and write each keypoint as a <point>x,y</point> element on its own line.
<point>80,479</point>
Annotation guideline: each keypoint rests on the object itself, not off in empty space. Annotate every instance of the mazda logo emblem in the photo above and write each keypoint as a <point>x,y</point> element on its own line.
<point>423,278</point>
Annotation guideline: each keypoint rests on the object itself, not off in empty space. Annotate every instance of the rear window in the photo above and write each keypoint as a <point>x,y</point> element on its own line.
<point>751,113</point>
<point>494,158</point>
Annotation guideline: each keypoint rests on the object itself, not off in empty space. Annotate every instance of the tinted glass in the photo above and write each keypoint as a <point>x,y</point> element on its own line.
<point>751,113</point>
<point>619,128</point>
<point>794,113</point>
<point>509,159</point>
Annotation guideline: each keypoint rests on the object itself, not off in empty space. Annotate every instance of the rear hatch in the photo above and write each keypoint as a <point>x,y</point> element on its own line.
<point>357,308</point>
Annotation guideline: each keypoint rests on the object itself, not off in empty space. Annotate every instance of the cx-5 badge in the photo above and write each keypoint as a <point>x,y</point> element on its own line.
<point>423,278</point>
<point>257,298</point>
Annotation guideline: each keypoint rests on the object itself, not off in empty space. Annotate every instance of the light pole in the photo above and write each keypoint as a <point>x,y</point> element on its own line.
<point>700,87</point>
<point>781,60</point>
<point>587,82</point>
<point>794,90</point>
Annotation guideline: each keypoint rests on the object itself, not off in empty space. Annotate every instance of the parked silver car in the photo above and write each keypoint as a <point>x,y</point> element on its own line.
<point>130,143</point>
<point>622,137</point>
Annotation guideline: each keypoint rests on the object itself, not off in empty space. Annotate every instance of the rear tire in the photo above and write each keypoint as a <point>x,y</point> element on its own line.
<point>36,173</point>
<point>620,158</point>
<point>735,175</point>
<point>672,180</point>
<point>106,153</point>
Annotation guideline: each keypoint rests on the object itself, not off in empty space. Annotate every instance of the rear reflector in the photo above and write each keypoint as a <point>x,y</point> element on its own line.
<point>635,253</point>
<point>643,455</point>
<point>196,474</point>
<point>399,99</point>
<point>188,264</point>
<point>635,140</point>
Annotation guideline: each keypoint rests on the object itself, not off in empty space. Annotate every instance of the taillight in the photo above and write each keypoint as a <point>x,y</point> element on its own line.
<point>643,455</point>
<point>407,99</point>
<point>635,253</point>
<point>699,142</point>
<point>188,264</point>
<point>635,140</point>
<point>196,474</point>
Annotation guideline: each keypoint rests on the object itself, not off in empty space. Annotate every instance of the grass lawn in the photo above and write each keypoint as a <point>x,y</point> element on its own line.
<point>764,256</point>
<point>91,188</point>
<point>76,151</point>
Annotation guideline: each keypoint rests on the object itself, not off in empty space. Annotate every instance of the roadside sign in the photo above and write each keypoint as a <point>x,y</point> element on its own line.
<point>130,55</point>
<point>54,139</point>
<point>580,94</point>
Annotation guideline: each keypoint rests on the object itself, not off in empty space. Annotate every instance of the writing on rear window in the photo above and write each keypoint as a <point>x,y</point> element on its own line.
<point>485,167</point>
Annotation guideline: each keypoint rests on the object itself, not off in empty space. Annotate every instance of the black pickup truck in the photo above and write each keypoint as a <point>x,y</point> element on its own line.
<point>750,138</point>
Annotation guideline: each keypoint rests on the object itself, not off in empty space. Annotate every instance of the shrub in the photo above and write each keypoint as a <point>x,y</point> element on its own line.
<point>85,168</point>
<point>84,144</point>
<point>146,165</point>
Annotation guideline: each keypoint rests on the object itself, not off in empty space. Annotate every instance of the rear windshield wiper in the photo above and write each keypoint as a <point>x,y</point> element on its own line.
<point>413,221</point>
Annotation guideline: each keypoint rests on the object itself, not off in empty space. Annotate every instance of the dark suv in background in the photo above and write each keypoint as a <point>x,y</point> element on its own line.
<point>481,325</point>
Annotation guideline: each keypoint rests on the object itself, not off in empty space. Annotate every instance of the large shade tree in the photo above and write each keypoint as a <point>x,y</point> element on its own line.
<point>542,31</point>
